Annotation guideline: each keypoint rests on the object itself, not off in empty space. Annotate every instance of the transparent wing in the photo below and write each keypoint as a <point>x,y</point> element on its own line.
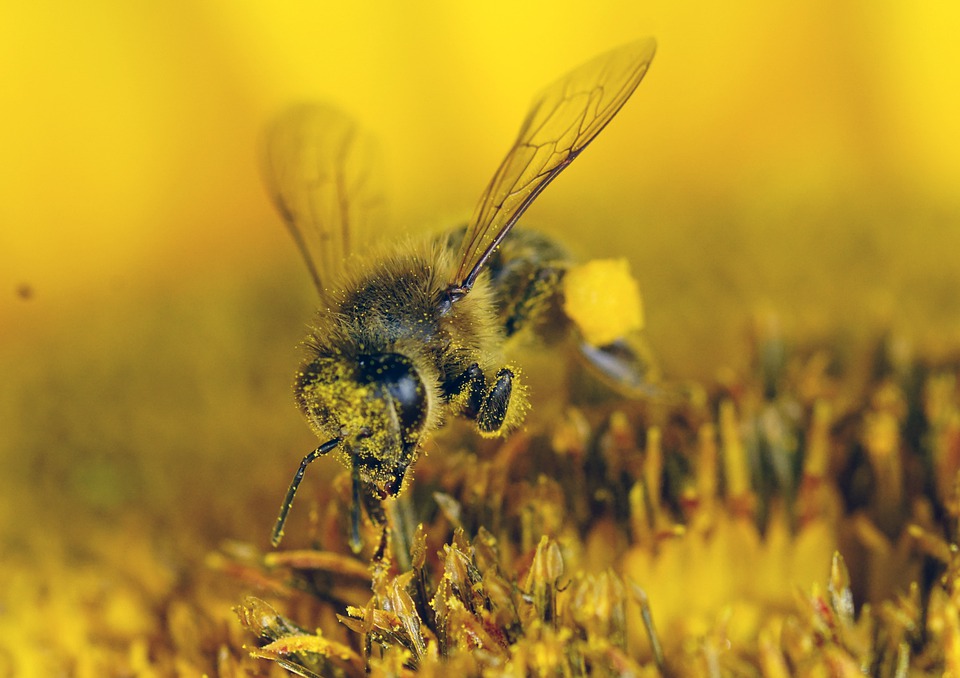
<point>564,118</point>
<point>324,176</point>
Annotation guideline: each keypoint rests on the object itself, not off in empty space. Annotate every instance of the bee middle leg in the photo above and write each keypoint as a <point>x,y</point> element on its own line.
<point>487,406</point>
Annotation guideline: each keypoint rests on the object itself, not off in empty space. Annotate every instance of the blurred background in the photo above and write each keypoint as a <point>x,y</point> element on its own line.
<point>799,159</point>
<point>770,152</point>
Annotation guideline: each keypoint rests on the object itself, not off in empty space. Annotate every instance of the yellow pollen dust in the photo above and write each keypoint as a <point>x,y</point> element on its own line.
<point>603,299</point>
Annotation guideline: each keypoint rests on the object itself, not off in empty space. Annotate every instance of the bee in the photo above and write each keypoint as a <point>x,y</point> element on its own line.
<point>410,335</point>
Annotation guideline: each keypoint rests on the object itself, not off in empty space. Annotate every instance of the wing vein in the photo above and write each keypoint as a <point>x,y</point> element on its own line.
<point>562,121</point>
<point>320,170</point>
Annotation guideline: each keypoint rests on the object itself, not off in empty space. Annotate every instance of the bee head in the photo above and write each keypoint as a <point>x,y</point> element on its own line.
<point>376,403</point>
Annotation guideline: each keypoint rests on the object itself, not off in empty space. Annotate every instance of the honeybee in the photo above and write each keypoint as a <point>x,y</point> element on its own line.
<point>410,335</point>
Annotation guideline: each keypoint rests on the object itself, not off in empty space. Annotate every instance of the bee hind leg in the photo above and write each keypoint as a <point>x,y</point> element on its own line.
<point>627,366</point>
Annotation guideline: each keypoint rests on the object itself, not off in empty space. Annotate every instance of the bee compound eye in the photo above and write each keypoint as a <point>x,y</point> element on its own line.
<point>397,374</point>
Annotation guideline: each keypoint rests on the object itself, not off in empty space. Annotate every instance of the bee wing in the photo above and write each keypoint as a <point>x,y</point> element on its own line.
<point>321,170</point>
<point>564,118</point>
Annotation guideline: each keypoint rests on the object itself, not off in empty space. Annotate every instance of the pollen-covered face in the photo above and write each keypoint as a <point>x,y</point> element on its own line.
<point>377,404</point>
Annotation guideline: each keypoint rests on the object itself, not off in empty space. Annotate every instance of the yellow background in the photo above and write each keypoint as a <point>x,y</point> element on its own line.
<point>801,158</point>
<point>774,150</point>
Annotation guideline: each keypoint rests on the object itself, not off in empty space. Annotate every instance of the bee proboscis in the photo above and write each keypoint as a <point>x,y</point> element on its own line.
<point>410,335</point>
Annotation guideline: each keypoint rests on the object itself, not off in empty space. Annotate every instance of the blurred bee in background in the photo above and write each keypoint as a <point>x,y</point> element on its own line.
<point>411,334</point>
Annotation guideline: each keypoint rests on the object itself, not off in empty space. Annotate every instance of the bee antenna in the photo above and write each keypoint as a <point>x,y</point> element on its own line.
<point>295,483</point>
<point>452,295</point>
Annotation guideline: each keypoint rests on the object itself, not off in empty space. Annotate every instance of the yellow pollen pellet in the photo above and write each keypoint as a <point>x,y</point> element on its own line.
<point>603,299</point>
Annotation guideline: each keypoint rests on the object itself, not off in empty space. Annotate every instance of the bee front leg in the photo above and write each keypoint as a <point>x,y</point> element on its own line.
<point>496,403</point>
<point>489,407</point>
<point>367,497</point>
<point>356,543</point>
